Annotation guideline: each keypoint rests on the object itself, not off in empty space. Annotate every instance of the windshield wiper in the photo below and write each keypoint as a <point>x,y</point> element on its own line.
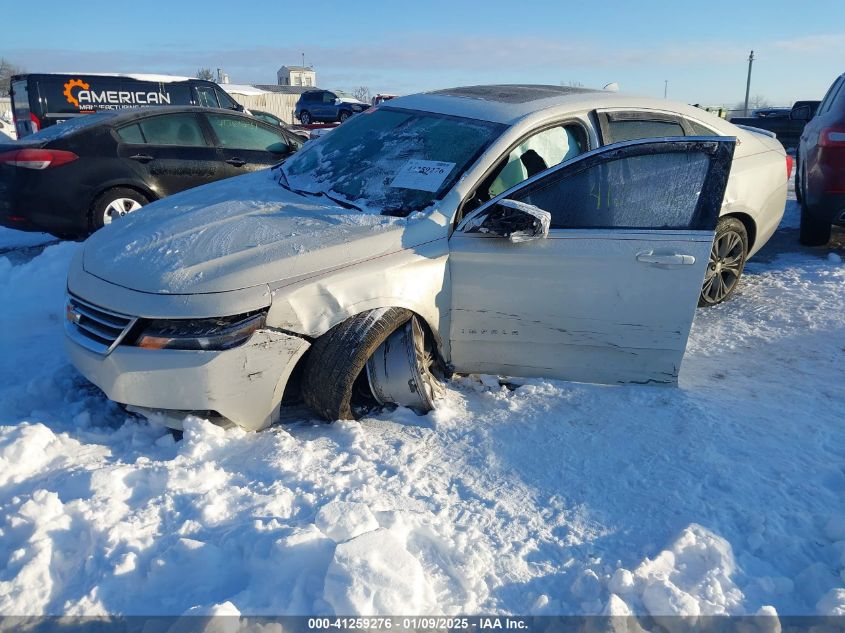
<point>340,201</point>
<point>282,175</point>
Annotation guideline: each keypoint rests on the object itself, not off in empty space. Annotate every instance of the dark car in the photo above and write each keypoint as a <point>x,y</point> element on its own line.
<point>325,106</point>
<point>820,170</point>
<point>40,100</point>
<point>272,119</point>
<point>73,178</point>
<point>786,124</point>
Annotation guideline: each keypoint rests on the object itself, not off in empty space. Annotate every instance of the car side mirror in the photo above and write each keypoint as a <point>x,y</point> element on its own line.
<point>801,113</point>
<point>279,148</point>
<point>337,101</point>
<point>517,221</point>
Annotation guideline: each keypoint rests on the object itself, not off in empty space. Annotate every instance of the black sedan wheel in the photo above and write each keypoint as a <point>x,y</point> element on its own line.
<point>113,205</point>
<point>727,260</point>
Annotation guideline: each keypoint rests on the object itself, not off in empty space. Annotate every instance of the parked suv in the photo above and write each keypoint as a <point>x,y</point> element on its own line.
<point>325,106</point>
<point>820,173</point>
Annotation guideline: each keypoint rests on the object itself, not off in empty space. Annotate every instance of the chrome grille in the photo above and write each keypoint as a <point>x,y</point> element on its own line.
<point>95,328</point>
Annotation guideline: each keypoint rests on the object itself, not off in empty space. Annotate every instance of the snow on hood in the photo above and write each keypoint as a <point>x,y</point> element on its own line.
<point>234,234</point>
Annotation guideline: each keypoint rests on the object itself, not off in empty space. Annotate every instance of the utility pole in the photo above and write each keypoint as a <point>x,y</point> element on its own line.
<point>665,87</point>
<point>303,60</point>
<point>748,83</point>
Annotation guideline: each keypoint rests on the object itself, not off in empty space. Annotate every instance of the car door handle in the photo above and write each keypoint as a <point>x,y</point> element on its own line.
<point>143,158</point>
<point>673,259</point>
<point>237,162</point>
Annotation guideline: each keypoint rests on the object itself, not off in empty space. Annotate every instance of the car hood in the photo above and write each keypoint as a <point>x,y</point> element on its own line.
<point>237,233</point>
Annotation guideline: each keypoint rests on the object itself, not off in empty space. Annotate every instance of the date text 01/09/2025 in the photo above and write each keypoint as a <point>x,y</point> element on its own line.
<point>417,623</point>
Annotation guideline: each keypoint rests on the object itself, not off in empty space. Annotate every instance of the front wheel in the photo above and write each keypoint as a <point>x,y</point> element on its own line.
<point>344,115</point>
<point>338,383</point>
<point>727,261</point>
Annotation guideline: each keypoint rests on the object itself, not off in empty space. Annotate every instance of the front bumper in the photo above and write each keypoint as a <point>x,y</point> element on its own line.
<point>244,385</point>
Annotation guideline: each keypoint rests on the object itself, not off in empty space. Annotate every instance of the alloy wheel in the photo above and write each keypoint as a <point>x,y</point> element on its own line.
<point>727,258</point>
<point>118,208</point>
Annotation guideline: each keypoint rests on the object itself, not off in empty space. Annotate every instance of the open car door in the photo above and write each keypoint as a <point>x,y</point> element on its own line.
<point>590,271</point>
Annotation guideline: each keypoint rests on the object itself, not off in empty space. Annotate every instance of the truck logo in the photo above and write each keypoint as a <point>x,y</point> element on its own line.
<point>74,83</point>
<point>86,99</point>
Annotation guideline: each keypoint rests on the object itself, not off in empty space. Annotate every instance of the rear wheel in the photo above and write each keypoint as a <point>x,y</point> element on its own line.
<point>814,232</point>
<point>305,117</point>
<point>113,204</point>
<point>336,379</point>
<point>727,261</point>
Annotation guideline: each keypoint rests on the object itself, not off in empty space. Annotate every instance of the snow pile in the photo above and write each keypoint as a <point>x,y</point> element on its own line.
<point>723,496</point>
<point>691,578</point>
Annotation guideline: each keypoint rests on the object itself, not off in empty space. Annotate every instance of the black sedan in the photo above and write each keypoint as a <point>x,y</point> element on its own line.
<point>73,178</point>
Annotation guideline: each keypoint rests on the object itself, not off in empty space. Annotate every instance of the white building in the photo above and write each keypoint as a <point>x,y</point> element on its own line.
<point>296,76</point>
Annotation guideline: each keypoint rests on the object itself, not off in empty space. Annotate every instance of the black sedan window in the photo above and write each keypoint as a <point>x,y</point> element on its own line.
<point>241,133</point>
<point>131,134</point>
<point>173,129</point>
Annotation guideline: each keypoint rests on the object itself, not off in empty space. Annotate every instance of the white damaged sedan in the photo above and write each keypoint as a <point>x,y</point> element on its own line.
<point>510,230</point>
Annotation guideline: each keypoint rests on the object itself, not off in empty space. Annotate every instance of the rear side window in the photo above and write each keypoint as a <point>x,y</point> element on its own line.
<point>700,130</point>
<point>831,95</point>
<point>20,93</point>
<point>225,100</point>
<point>173,129</point>
<point>631,130</point>
<point>629,192</point>
<point>131,134</point>
<point>207,97</point>
<point>241,133</point>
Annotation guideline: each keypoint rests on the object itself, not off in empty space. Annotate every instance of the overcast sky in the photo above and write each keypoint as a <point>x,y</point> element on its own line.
<point>701,48</point>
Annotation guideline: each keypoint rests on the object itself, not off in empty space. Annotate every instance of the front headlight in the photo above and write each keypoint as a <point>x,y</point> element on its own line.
<point>200,334</point>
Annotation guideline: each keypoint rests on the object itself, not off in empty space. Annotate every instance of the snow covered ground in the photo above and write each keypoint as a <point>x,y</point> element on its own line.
<point>725,495</point>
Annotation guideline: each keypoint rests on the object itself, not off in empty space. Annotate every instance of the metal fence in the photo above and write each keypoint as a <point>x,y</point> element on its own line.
<point>280,104</point>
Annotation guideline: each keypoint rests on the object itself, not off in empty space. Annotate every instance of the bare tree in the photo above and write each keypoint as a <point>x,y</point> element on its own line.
<point>205,73</point>
<point>362,93</point>
<point>754,103</point>
<point>7,69</point>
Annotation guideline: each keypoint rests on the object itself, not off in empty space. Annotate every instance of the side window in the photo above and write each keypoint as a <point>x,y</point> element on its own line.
<point>131,134</point>
<point>700,130</point>
<point>634,129</point>
<point>173,129</point>
<point>240,133</point>
<point>629,192</point>
<point>537,153</point>
<point>206,97</point>
<point>830,97</point>
<point>225,100</point>
<point>328,97</point>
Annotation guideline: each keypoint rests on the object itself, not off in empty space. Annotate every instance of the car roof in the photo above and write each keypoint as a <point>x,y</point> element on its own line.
<point>140,113</point>
<point>508,103</point>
